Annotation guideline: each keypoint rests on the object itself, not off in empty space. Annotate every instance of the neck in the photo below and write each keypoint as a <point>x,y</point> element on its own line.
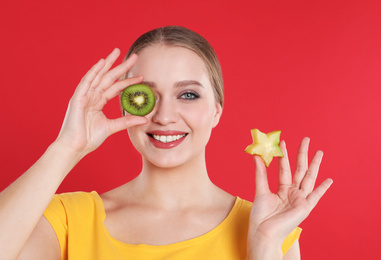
<point>175,187</point>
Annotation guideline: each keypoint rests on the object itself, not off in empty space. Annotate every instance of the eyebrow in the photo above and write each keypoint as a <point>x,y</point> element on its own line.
<point>185,83</point>
<point>150,84</point>
<point>178,84</point>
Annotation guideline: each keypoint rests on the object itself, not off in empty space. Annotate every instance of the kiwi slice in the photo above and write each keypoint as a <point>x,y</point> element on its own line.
<point>265,145</point>
<point>138,99</point>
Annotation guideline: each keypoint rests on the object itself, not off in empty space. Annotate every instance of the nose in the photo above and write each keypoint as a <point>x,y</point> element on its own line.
<point>165,112</point>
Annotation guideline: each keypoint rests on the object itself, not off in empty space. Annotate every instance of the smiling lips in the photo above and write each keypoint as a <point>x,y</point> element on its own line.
<point>166,139</point>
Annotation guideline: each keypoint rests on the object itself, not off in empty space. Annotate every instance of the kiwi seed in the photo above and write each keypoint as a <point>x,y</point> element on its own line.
<point>138,99</point>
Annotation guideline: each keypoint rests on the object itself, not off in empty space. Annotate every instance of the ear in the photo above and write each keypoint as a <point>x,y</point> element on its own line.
<point>218,114</point>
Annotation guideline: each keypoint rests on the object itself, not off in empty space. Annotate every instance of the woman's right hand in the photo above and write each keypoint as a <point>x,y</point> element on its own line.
<point>85,126</point>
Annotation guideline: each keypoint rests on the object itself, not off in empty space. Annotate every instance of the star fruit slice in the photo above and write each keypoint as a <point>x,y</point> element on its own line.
<point>265,145</point>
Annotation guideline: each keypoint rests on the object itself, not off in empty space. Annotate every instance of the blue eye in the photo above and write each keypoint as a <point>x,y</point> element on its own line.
<point>189,96</point>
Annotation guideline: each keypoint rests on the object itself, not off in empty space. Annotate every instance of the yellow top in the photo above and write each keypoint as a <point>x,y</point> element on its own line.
<point>78,221</point>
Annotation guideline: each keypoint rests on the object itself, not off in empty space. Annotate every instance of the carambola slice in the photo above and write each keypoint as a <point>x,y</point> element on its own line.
<point>265,145</point>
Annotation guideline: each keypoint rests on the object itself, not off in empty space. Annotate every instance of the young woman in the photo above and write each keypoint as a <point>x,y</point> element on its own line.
<point>171,210</point>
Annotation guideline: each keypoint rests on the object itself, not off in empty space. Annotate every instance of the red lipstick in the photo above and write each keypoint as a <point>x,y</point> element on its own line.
<point>166,139</point>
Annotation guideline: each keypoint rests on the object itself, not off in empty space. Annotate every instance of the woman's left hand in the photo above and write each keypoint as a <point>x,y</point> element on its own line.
<point>274,216</point>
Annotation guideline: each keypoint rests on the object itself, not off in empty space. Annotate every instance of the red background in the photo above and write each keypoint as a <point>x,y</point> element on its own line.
<point>308,68</point>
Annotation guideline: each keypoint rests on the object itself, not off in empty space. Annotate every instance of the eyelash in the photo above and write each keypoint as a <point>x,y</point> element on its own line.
<point>194,95</point>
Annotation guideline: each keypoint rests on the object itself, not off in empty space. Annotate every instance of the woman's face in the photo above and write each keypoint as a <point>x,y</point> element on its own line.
<point>180,125</point>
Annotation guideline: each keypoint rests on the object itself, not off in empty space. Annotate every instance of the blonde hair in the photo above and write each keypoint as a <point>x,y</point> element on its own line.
<point>183,37</point>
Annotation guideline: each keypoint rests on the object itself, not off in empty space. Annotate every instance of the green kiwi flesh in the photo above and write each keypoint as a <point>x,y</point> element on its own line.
<point>138,99</point>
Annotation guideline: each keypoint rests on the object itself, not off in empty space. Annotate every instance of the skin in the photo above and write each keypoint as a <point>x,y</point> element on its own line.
<point>163,67</point>
<point>273,216</point>
<point>85,127</point>
<point>198,204</point>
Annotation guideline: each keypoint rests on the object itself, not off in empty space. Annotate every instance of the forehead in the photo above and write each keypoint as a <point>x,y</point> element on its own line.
<point>162,62</point>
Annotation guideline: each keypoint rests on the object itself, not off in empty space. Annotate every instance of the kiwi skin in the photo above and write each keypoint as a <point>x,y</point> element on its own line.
<point>138,99</point>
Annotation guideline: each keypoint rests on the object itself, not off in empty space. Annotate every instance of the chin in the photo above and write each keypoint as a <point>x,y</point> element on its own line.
<point>171,161</point>
<point>164,163</point>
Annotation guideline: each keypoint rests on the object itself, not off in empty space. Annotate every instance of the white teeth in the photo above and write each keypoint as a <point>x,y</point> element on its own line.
<point>167,138</point>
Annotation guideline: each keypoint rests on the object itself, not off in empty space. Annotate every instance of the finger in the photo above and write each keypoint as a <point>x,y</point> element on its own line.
<point>111,76</point>
<point>316,195</point>
<point>261,182</point>
<point>119,86</point>
<point>109,61</point>
<point>301,162</point>
<point>285,177</point>
<point>309,179</point>
<point>86,81</point>
<point>125,122</point>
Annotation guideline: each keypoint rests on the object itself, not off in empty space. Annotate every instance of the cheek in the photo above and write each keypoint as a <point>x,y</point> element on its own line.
<point>200,117</point>
<point>135,135</point>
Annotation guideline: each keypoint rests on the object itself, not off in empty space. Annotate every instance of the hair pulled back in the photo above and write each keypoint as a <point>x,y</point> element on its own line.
<point>183,37</point>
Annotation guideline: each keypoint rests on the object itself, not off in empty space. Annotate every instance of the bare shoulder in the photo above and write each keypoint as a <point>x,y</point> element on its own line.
<point>113,199</point>
<point>42,244</point>
<point>225,199</point>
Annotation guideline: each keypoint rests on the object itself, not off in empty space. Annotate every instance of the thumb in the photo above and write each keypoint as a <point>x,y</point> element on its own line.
<point>125,122</point>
